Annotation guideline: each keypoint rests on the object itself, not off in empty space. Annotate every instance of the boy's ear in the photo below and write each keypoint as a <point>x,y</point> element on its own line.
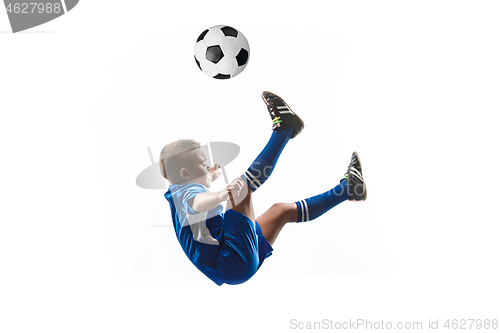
<point>184,173</point>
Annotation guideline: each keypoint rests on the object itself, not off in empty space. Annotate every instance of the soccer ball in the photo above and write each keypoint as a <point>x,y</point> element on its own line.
<point>221,52</point>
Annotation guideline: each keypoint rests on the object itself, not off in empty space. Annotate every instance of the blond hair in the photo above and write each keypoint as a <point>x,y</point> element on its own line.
<point>174,152</point>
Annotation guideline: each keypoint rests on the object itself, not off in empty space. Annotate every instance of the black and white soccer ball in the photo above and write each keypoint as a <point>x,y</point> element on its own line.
<point>221,52</point>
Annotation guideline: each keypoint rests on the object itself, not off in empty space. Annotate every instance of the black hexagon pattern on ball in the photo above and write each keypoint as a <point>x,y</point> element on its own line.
<point>242,57</point>
<point>214,54</point>
<point>222,76</point>
<point>202,35</point>
<point>228,31</point>
<point>198,63</point>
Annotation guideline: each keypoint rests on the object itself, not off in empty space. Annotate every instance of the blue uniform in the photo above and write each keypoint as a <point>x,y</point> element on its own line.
<point>226,246</point>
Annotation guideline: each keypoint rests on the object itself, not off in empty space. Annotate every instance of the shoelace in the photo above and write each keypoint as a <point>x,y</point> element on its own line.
<point>277,121</point>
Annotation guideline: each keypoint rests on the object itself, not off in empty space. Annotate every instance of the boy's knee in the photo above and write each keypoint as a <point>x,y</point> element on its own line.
<point>278,207</point>
<point>287,210</point>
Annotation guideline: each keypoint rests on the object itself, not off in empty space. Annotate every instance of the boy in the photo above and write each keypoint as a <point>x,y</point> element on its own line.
<point>229,247</point>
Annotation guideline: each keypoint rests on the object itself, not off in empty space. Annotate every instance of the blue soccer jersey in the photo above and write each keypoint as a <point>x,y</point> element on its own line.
<point>199,234</point>
<point>227,247</point>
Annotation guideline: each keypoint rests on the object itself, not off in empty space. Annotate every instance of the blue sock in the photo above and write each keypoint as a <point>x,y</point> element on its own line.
<point>260,170</point>
<point>313,207</point>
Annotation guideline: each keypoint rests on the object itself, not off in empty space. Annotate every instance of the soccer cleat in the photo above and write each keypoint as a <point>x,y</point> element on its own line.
<point>354,176</point>
<point>281,114</point>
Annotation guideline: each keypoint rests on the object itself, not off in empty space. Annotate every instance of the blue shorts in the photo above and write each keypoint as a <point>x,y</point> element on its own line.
<point>245,245</point>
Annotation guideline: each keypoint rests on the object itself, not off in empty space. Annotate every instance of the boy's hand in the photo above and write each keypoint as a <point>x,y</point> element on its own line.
<point>215,172</point>
<point>234,189</point>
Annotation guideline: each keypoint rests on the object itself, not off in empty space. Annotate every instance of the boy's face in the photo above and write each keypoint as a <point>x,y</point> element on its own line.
<point>197,169</point>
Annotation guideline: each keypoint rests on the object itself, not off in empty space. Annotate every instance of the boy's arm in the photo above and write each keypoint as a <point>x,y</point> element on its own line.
<point>203,202</point>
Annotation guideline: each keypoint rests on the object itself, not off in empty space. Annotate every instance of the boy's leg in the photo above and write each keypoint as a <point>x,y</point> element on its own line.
<point>352,187</point>
<point>273,220</point>
<point>262,167</point>
<point>242,203</point>
<point>286,125</point>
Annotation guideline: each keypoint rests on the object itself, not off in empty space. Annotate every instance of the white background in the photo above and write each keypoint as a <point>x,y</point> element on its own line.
<point>413,87</point>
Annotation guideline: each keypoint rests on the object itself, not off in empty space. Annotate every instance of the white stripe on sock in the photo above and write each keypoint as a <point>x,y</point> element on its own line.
<point>307,210</point>
<point>254,181</point>
<point>250,180</point>
<point>282,107</point>
<point>302,210</point>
